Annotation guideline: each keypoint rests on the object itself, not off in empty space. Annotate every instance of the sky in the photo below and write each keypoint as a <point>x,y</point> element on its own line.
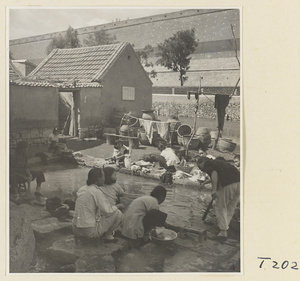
<point>25,22</point>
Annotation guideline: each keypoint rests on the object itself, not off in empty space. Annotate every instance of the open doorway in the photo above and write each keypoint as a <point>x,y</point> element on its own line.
<point>69,113</point>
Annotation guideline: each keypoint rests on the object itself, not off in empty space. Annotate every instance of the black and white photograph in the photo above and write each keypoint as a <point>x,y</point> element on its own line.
<point>125,148</point>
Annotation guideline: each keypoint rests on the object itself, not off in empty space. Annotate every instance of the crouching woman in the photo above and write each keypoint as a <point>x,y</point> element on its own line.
<point>94,216</point>
<point>142,215</point>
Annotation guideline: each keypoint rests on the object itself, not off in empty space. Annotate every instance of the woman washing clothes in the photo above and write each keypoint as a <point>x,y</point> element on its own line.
<point>225,179</point>
<point>94,216</point>
<point>143,215</point>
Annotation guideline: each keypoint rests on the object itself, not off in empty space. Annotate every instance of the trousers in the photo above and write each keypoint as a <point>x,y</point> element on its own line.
<point>228,198</point>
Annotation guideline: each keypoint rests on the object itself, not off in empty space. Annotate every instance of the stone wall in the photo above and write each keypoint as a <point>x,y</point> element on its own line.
<point>167,105</point>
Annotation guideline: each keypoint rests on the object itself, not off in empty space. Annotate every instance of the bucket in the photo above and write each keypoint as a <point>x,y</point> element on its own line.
<point>148,115</point>
<point>184,130</point>
<point>226,145</point>
<point>194,144</point>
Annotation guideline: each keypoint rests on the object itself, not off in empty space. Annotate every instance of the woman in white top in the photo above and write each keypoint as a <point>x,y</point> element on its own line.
<point>111,189</point>
<point>169,155</point>
<point>94,216</point>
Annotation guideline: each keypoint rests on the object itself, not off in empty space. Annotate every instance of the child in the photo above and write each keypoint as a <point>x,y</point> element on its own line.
<point>237,161</point>
<point>119,152</point>
<point>111,189</point>
<point>55,146</point>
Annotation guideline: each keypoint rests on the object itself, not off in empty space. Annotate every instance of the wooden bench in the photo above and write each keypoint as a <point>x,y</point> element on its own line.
<point>133,142</point>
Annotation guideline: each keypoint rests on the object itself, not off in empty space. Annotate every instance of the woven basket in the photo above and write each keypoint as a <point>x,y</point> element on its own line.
<point>226,145</point>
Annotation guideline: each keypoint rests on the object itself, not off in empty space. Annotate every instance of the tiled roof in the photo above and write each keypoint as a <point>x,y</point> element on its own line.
<point>31,83</point>
<point>85,65</point>
<point>14,73</point>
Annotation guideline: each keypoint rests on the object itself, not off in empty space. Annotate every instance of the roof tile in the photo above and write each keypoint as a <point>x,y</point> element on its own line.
<point>85,64</point>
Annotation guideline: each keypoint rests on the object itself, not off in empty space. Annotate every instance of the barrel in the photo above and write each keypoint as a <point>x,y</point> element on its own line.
<point>194,143</point>
<point>184,130</point>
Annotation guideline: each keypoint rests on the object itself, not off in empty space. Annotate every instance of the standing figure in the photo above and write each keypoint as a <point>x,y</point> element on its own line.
<point>143,214</point>
<point>20,172</point>
<point>94,216</point>
<point>225,179</point>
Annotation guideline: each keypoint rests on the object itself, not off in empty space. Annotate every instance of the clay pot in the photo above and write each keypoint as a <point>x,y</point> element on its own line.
<point>202,131</point>
<point>148,115</point>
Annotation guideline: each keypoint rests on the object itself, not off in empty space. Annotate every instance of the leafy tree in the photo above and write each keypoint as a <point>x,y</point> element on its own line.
<point>143,57</point>
<point>174,52</point>
<point>100,37</point>
<point>69,40</point>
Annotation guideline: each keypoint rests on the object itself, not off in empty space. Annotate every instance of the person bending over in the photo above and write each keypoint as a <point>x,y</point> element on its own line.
<point>142,215</point>
<point>225,179</point>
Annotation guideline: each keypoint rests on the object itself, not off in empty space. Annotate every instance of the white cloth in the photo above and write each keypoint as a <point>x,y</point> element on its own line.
<point>149,128</point>
<point>170,156</point>
<point>163,130</point>
<point>133,221</point>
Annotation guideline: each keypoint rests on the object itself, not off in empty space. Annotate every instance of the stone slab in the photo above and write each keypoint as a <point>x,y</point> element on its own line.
<point>48,225</point>
<point>65,251</point>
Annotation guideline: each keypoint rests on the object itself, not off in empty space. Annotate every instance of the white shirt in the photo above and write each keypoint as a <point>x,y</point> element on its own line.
<point>170,156</point>
<point>91,203</point>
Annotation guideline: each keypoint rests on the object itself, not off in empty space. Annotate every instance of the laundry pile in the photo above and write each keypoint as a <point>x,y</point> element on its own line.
<point>89,161</point>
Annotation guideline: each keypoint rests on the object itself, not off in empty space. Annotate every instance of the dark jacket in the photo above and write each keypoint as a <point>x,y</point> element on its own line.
<point>227,173</point>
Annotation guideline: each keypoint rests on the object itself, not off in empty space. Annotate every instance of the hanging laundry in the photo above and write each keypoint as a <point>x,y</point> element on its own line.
<point>163,130</point>
<point>149,128</point>
<point>221,102</point>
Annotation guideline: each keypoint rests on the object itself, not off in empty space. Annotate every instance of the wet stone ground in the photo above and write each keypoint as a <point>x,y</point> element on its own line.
<point>195,249</point>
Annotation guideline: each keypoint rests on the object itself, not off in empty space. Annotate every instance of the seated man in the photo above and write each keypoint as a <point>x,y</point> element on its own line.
<point>20,172</point>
